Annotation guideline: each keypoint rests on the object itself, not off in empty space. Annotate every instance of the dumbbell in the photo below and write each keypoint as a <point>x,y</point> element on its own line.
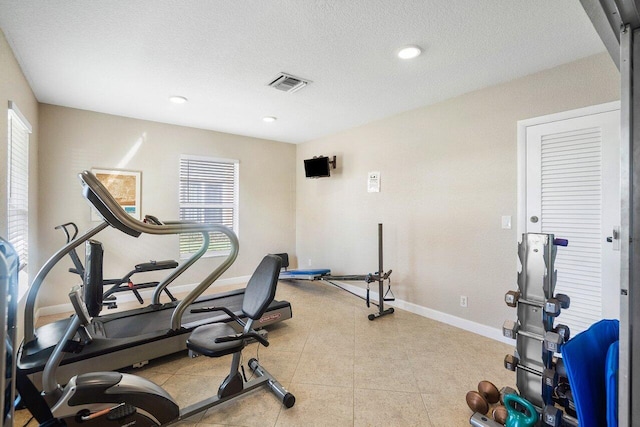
<point>550,377</point>
<point>564,299</point>
<point>476,402</point>
<point>499,414</point>
<point>553,305</point>
<point>511,298</point>
<point>563,331</point>
<point>504,391</point>
<point>553,341</point>
<point>512,362</point>
<point>489,391</point>
<point>562,396</point>
<point>510,329</point>
<point>551,416</point>
<point>559,365</point>
<point>480,400</point>
<point>549,383</point>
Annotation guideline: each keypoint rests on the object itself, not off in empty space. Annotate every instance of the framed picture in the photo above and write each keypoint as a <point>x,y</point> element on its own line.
<point>124,186</point>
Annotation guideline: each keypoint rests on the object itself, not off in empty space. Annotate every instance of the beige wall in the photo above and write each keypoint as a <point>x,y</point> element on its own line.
<point>74,140</point>
<point>14,87</point>
<point>448,174</point>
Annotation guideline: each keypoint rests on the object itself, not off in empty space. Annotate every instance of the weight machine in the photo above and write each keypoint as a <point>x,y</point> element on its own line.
<point>325,275</point>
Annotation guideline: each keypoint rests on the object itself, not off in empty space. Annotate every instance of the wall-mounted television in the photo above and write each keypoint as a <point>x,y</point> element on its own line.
<point>318,167</point>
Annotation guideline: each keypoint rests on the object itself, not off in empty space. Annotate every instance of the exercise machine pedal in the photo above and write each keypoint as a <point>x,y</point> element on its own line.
<point>121,412</point>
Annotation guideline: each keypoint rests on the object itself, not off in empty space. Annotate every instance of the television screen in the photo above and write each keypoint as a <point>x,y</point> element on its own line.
<point>317,168</point>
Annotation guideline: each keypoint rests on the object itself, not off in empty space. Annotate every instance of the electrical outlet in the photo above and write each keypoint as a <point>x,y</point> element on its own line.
<point>309,262</point>
<point>463,301</point>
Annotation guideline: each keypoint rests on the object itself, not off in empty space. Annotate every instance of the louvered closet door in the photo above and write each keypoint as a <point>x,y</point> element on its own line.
<point>573,191</point>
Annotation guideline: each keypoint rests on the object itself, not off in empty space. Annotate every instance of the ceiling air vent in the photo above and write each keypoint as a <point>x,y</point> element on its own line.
<point>288,83</point>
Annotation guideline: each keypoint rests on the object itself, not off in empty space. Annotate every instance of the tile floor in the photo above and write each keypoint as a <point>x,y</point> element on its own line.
<point>399,370</point>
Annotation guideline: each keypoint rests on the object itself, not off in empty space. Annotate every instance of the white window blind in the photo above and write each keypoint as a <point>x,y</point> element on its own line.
<point>18,183</point>
<point>208,194</point>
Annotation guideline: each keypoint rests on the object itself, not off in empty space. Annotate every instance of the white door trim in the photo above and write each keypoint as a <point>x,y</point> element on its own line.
<point>522,158</point>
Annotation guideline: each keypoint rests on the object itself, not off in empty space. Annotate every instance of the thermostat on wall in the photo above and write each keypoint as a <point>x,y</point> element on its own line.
<point>373,183</point>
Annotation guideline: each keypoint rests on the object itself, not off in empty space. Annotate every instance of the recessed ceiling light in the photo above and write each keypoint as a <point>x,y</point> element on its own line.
<point>409,52</point>
<point>178,99</point>
<point>269,119</point>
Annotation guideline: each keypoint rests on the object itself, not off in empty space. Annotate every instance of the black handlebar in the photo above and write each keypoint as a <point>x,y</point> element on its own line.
<point>150,219</point>
<point>64,226</point>
<point>250,334</point>
<point>79,268</point>
<point>228,312</point>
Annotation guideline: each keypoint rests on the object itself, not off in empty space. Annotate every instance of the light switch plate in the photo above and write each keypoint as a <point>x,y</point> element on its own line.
<point>506,222</point>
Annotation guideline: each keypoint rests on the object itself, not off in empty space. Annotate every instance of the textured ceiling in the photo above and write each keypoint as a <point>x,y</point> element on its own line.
<point>126,57</point>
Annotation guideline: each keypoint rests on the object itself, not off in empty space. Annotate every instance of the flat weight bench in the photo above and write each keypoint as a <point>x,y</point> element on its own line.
<point>300,274</point>
<point>220,339</point>
<point>316,274</point>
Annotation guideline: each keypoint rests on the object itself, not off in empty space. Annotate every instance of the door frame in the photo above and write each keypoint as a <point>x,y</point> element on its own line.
<point>521,217</point>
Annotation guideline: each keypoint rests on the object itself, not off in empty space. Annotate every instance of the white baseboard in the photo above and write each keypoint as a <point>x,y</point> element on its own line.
<point>458,322</point>
<point>146,294</point>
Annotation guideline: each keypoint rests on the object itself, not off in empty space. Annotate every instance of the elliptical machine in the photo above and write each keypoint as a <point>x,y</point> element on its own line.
<point>113,398</point>
<point>123,284</point>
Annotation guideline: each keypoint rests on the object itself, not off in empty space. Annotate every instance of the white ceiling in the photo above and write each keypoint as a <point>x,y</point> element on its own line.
<point>126,57</point>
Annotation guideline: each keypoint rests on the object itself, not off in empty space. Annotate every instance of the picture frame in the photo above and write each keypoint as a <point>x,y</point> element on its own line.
<point>124,186</point>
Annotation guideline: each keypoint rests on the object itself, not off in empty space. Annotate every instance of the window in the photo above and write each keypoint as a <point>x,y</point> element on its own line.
<point>208,194</point>
<point>18,184</point>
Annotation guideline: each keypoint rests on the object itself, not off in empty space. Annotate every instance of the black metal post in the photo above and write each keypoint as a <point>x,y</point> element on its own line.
<point>381,310</point>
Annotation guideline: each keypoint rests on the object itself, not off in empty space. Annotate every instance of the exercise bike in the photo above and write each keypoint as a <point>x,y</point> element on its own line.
<point>114,398</point>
